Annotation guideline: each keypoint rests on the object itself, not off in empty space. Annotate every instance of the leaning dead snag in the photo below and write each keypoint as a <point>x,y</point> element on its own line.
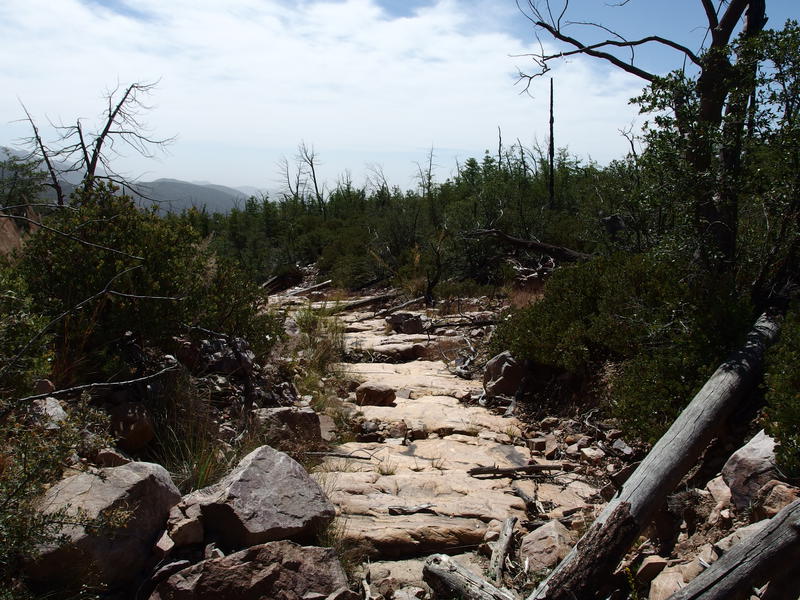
<point>586,571</point>
<point>753,561</point>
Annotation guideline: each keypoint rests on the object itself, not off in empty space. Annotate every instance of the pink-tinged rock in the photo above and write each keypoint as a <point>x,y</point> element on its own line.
<point>544,547</point>
<point>772,497</point>
<point>749,468</point>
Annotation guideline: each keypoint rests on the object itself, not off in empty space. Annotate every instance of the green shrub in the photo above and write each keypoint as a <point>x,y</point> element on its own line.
<point>138,277</point>
<point>665,326</point>
<point>782,416</point>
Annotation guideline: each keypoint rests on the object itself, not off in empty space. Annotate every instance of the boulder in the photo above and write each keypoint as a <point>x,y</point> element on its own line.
<point>407,323</point>
<point>276,570</point>
<point>502,375</point>
<point>48,412</point>
<point>267,497</point>
<point>772,497</point>
<point>132,425</point>
<point>650,568</point>
<point>371,393</point>
<point>665,584</point>
<point>749,468</point>
<point>290,422</point>
<point>136,498</point>
<point>545,546</point>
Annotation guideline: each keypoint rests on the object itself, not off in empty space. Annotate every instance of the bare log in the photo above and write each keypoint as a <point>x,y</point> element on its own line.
<point>501,550</point>
<point>558,252</point>
<point>362,303</point>
<point>586,571</point>
<point>319,286</point>
<point>411,510</point>
<point>447,578</point>
<point>766,555</point>
<point>389,311</point>
<point>514,470</point>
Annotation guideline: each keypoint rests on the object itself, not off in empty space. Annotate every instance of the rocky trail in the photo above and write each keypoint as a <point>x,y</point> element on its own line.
<point>404,490</point>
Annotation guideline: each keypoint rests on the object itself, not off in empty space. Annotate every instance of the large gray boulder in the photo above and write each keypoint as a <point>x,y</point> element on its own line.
<point>267,497</point>
<point>749,468</point>
<point>135,498</point>
<point>276,570</point>
<point>503,375</point>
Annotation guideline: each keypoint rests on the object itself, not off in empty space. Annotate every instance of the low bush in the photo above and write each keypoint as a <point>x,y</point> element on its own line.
<point>782,415</point>
<point>664,326</point>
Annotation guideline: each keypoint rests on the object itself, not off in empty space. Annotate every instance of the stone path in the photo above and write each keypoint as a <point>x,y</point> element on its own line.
<point>431,440</point>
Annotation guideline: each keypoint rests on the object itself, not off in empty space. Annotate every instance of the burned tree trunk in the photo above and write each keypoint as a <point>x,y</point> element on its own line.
<point>586,571</point>
<point>765,556</point>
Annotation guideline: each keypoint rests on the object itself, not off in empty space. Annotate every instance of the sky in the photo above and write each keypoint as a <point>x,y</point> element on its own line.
<point>366,83</point>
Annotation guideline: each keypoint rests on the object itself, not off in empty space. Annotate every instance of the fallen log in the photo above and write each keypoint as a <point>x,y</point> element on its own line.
<point>448,578</point>
<point>514,470</point>
<point>411,510</point>
<point>586,572</point>
<point>765,556</point>
<point>362,303</point>
<point>390,310</point>
<point>313,288</point>
<point>558,252</point>
<point>501,550</point>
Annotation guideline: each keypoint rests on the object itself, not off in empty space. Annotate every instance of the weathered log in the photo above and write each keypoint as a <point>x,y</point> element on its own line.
<point>514,470</point>
<point>390,310</point>
<point>446,577</point>
<point>362,303</point>
<point>558,252</point>
<point>587,570</point>
<point>319,286</point>
<point>501,550</point>
<point>755,560</point>
<point>411,510</point>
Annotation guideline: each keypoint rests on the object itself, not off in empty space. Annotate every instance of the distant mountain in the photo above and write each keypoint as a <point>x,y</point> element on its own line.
<point>173,195</point>
<point>169,195</point>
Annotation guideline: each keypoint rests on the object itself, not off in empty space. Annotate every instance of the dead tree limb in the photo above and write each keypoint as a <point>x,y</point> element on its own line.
<point>514,470</point>
<point>586,571</point>
<point>447,577</point>
<point>362,303</point>
<point>319,286</point>
<point>754,561</point>
<point>558,252</point>
<point>501,550</point>
<point>392,309</point>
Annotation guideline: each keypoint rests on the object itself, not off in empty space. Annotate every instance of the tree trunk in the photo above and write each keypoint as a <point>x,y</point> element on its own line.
<point>587,570</point>
<point>447,577</point>
<point>752,562</point>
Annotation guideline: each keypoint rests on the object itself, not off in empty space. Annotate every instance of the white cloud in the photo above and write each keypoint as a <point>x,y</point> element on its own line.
<point>243,81</point>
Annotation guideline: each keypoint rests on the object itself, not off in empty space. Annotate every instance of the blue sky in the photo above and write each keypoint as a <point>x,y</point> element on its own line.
<point>366,82</point>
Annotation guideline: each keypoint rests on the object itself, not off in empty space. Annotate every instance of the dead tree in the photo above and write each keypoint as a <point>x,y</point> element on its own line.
<point>587,570</point>
<point>766,556</point>
<point>90,153</point>
<point>716,110</point>
<point>447,577</point>
<point>558,252</point>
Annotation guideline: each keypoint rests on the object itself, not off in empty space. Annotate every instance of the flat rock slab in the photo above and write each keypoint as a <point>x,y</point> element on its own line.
<point>443,415</point>
<point>423,378</point>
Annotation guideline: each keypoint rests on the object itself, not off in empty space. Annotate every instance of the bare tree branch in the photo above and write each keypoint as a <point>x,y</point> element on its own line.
<point>45,152</point>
